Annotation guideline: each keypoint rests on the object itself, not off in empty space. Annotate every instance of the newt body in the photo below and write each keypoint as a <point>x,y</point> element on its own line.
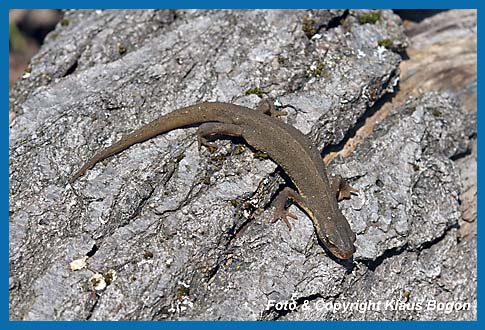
<point>286,145</point>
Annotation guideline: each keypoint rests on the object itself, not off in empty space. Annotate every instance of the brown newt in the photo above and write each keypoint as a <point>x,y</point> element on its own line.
<point>287,146</point>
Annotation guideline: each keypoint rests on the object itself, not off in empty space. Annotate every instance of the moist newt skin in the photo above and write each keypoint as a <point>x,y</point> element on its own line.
<point>286,145</point>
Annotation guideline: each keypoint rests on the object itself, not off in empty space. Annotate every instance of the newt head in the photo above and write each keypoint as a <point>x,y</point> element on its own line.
<point>336,234</point>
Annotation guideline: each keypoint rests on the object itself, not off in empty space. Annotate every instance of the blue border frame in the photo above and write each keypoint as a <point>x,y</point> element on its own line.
<point>5,6</point>
<point>141,4</point>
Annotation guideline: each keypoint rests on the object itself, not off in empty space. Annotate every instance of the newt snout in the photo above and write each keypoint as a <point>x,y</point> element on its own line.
<point>337,236</point>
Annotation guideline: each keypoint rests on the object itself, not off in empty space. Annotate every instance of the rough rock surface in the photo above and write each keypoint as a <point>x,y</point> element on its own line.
<point>182,234</point>
<point>408,244</point>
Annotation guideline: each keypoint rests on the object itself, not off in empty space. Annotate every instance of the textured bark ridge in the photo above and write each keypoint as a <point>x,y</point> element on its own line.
<point>164,231</point>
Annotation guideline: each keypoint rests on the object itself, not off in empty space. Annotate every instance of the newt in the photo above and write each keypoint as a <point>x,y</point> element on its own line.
<point>286,145</point>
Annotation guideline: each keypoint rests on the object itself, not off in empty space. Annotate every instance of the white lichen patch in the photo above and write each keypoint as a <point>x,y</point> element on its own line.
<point>78,264</point>
<point>98,281</point>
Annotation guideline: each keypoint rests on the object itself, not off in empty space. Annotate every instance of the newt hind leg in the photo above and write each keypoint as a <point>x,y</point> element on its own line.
<point>212,131</point>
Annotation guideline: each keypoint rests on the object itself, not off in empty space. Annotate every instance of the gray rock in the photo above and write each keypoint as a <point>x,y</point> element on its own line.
<point>182,234</point>
<point>409,251</point>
